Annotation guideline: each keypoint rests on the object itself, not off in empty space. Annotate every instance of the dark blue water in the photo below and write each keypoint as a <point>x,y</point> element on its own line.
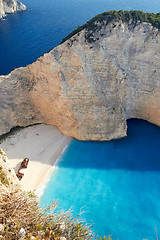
<point>118,182</point>
<point>27,35</point>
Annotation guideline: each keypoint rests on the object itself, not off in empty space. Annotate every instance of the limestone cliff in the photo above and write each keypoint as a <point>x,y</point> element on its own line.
<point>88,89</point>
<point>10,6</point>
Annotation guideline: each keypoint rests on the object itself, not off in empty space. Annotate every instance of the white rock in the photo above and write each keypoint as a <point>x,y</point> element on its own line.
<point>10,7</point>
<point>41,233</point>
<point>62,226</point>
<point>1,227</point>
<point>22,232</point>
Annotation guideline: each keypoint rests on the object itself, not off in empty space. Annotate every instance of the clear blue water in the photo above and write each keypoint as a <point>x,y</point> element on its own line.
<point>118,181</point>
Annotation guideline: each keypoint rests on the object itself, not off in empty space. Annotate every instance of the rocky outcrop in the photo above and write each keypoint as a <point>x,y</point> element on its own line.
<point>7,175</point>
<point>10,6</point>
<point>88,89</point>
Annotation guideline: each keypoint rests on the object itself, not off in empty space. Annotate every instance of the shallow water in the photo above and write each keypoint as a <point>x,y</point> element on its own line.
<point>116,182</point>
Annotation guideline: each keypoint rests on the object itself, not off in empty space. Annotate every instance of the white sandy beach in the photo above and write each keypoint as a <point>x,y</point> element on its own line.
<point>42,144</point>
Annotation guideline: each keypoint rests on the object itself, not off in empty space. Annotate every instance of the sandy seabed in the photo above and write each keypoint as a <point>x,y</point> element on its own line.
<point>42,144</point>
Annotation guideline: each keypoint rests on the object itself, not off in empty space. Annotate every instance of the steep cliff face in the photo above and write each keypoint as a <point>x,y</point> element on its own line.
<point>89,88</point>
<point>10,6</point>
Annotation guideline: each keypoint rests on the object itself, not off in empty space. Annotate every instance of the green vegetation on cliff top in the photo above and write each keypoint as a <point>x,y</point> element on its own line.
<point>124,16</point>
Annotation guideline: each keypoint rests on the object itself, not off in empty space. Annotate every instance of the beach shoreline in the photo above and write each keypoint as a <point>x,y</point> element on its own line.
<point>42,184</point>
<point>43,145</point>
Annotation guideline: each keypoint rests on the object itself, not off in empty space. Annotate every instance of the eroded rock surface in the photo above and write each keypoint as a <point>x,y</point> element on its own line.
<point>10,6</point>
<point>88,90</point>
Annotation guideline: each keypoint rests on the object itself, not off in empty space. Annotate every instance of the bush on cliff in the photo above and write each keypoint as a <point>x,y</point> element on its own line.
<point>124,16</point>
<point>21,213</point>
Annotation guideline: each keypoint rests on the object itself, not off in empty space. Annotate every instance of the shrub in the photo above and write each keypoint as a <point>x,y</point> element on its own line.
<point>20,210</point>
<point>3,178</point>
<point>124,16</point>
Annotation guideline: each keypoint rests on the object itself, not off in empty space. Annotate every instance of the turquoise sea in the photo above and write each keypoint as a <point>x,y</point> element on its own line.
<point>116,183</point>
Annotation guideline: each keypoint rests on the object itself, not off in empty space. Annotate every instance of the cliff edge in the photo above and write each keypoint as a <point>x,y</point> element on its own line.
<point>10,6</point>
<point>90,84</point>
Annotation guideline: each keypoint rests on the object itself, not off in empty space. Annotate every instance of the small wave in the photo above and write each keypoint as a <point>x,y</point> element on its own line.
<point>40,190</point>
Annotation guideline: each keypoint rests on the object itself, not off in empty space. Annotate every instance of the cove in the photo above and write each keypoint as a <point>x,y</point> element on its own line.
<point>116,183</point>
